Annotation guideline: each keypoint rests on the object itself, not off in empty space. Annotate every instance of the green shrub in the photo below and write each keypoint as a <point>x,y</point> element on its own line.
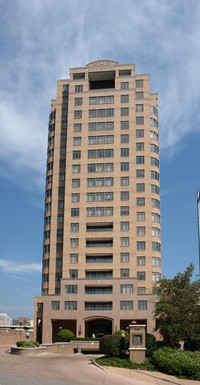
<point>115,345</point>
<point>177,362</point>
<point>151,344</point>
<point>65,335</point>
<point>119,333</point>
<point>20,344</point>
<point>104,345</point>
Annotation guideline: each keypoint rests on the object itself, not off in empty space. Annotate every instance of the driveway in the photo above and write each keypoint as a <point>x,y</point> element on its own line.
<point>55,369</point>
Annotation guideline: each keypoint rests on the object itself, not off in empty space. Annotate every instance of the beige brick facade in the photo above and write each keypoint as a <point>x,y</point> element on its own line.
<point>102,209</point>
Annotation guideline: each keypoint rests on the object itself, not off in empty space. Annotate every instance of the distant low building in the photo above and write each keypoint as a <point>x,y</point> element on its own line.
<point>25,321</point>
<point>5,320</point>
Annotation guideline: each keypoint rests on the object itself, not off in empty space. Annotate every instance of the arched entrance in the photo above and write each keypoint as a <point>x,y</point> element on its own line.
<point>98,326</point>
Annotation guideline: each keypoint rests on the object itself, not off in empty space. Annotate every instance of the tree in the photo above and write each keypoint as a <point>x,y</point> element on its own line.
<point>178,307</point>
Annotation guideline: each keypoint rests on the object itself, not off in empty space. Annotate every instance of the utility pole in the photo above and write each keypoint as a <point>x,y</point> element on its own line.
<point>198,214</point>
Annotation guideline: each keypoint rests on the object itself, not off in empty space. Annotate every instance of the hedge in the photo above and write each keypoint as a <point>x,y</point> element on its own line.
<point>65,335</point>
<point>177,362</point>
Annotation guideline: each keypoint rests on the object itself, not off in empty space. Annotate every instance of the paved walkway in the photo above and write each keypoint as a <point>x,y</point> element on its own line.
<point>55,369</point>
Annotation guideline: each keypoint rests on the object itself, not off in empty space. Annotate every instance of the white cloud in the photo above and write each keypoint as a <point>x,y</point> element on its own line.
<point>46,38</point>
<point>11,267</point>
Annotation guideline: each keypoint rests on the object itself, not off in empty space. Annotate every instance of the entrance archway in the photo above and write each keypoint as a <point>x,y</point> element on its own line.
<point>98,326</point>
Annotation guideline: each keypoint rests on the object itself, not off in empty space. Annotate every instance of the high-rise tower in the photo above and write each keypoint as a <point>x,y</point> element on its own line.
<point>101,253</point>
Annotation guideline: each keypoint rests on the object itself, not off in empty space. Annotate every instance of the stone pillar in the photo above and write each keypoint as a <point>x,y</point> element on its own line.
<point>137,347</point>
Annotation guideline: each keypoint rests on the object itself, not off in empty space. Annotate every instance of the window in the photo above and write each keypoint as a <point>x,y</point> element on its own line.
<point>99,196</point>
<point>98,290</point>
<point>100,167</point>
<point>139,83</point>
<point>71,289</point>
<point>77,114</point>
<point>155,175</point>
<point>48,193</point>
<point>155,162</point>
<point>139,107</point>
<point>124,152</point>
<point>140,173</point>
<point>59,262</point>
<point>60,218</point>
<point>109,99</point>
<point>124,226</point>
<point>142,305</point>
<point>101,139</point>
<point>45,263</point>
<point>100,182</point>
<point>73,258</point>
<point>124,181</point>
<point>50,154</point>
<point>99,211</point>
<point>47,234</point>
<point>62,163</point>
<point>74,227</point>
<point>141,261</point>
<point>124,125</point>
<point>154,135</point>
<point>124,210</point>
<point>153,122</point>
<point>45,278</point>
<point>140,187</point>
<point>55,305</point>
<point>64,124</point>
<point>141,275</point>
<point>47,207</point>
<point>140,201</point>
<point>139,120</point>
<point>70,305</point>
<point>124,273</point>
<point>39,306</point>
<point>63,137</point>
<point>124,195</point>
<point>140,216</point>
<point>51,128</point>
<point>77,154</point>
<point>62,150</point>
<point>64,111</point>
<point>155,189</point>
<point>153,110</point>
<point>79,88</point>
<point>156,261</point>
<point>156,232</point>
<point>104,153</point>
<point>124,85</point>
<point>61,190</point>
<point>126,305</point>
<point>77,127</point>
<point>58,277</point>
<point>126,289</point>
<point>154,148</point>
<point>76,168</point>
<point>139,159</point>
<point>75,212</point>
<point>59,233</point>
<point>124,98</point>
<point>73,273</point>
<point>78,101</point>
<point>141,230</point>
<point>77,140</point>
<point>125,111</point>
<point>124,241</point>
<point>139,95</point>
<point>141,245</point>
<point>102,112</point>
<point>75,183</point>
<point>156,277</point>
<point>98,306</point>
<point>99,259</point>
<point>59,247</point>
<point>51,140</point>
<point>75,197</point>
<point>61,177</point>
<point>156,246</point>
<point>155,203</point>
<point>141,290</point>
<point>101,126</point>
<point>124,257</point>
<point>46,249</point>
<point>124,166</point>
<point>140,133</point>
<point>140,146</point>
<point>125,138</point>
<point>49,179</point>
<point>155,217</point>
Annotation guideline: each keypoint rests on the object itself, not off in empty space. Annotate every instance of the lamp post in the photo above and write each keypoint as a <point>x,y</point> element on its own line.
<point>20,330</point>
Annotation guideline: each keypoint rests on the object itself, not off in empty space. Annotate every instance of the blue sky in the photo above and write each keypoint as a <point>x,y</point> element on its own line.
<point>39,42</point>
